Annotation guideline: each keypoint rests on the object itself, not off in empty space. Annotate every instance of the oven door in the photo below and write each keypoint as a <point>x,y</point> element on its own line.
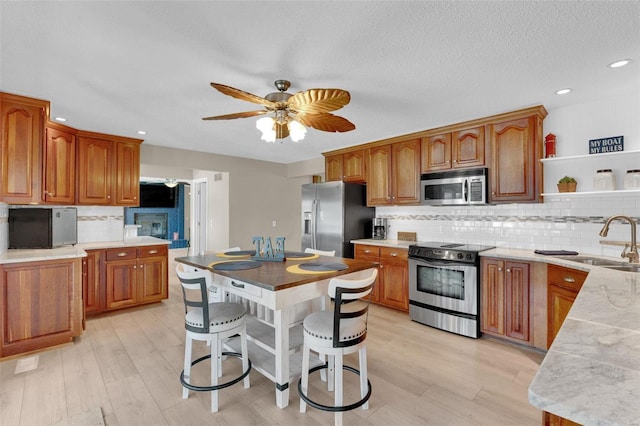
<point>444,284</point>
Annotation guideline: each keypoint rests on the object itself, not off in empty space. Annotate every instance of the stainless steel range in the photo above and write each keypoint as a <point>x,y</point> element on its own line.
<point>444,286</point>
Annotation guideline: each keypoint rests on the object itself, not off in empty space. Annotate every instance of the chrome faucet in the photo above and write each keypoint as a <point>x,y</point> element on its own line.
<point>632,255</point>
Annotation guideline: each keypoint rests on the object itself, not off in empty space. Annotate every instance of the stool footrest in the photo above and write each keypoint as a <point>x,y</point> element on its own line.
<point>333,408</point>
<point>216,387</point>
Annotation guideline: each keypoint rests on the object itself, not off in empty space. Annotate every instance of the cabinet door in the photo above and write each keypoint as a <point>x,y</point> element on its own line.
<point>405,172</point>
<point>121,283</point>
<point>93,289</point>
<point>333,167</point>
<point>563,287</point>
<point>59,185</point>
<point>152,279</point>
<point>372,254</point>
<point>467,148</point>
<point>354,166</point>
<point>127,174</point>
<point>31,321</point>
<point>22,139</point>
<point>492,293</point>
<point>436,153</point>
<point>394,269</point>
<point>513,168</point>
<point>517,300</point>
<point>95,165</point>
<point>379,176</point>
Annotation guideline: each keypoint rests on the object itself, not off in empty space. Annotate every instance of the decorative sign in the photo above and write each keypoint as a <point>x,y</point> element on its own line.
<point>266,252</point>
<point>610,144</point>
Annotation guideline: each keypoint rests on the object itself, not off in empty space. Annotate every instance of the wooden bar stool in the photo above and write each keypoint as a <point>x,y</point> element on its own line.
<point>212,323</point>
<point>335,334</point>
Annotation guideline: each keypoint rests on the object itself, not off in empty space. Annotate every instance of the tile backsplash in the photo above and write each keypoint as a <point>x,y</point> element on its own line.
<point>563,223</point>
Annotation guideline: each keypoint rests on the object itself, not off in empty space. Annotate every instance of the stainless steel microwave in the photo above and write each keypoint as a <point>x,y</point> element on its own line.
<point>454,188</point>
<point>32,228</point>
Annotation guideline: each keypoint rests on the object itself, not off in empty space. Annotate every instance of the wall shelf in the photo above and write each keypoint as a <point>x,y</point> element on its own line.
<point>579,194</point>
<point>589,156</point>
<point>584,167</point>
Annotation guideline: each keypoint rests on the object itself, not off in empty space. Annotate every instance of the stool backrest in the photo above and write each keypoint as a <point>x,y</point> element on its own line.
<point>343,291</point>
<point>194,293</point>
<point>320,252</point>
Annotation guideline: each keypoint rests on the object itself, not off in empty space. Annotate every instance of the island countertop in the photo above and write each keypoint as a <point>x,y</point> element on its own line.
<point>275,276</point>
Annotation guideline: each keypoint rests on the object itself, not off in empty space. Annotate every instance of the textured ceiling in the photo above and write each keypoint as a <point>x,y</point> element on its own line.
<point>118,67</point>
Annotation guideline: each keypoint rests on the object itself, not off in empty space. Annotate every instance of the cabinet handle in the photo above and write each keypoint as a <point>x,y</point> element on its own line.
<point>499,269</point>
<point>122,254</point>
<point>134,266</point>
<point>153,251</point>
<point>393,254</point>
<point>569,279</point>
<point>108,197</point>
<point>235,284</point>
<point>508,270</point>
<point>367,251</point>
<point>141,266</point>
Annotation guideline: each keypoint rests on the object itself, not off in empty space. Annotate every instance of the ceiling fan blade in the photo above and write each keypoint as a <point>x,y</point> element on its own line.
<point>237,115</point>
<point>282,130</point>
<point>242,95</point>
<point>315,101</point>
<point>326,122</point>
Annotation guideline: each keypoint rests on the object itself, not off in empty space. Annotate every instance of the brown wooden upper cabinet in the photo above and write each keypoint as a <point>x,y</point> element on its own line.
<point>59,165</point>
<point>108,170</point>
<point>20,148</point>
<point>348,166</point>
<point>515,171</point>
<point>459,149</point>
<point>393,173</point>
<point>40,159</point>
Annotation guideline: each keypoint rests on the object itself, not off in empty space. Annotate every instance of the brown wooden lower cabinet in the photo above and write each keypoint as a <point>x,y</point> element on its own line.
<point>125,277</point>
<point>505,299</point>
<point>563,285</point>
<point>549,419</point>
<point>41,304</point>
<point>392,285</point>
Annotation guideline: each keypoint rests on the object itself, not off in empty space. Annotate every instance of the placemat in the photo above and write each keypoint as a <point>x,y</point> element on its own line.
<point>236,254</point>
<point>300,256</point>
<point>323,267</point>
<point>234,265</point>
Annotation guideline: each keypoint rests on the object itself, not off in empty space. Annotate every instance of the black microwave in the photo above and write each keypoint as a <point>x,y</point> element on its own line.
<point>454,188</point>
<point>35,228</point>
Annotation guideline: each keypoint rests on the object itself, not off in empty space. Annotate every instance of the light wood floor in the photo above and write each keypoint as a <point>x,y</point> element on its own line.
<point>128,364</point>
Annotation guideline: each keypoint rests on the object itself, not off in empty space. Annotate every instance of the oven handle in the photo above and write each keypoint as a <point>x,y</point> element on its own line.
<point>435,262</point>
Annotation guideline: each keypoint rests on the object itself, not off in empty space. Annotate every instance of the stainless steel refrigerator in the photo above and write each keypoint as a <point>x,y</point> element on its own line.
<point>333,214</point>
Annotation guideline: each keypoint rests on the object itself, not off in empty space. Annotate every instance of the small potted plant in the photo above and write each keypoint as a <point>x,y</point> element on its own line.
<point>567,184</point>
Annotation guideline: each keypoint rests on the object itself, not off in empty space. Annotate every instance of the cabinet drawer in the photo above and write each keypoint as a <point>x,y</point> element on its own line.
<point>363,251</point>
<point>571,279</point>
<point>121,253</point>
<point>391,253</point>
<point>152,251</point>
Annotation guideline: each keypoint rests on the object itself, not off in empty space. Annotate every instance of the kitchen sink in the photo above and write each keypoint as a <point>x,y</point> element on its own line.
<point>589,260</point>
<point>627,267</point>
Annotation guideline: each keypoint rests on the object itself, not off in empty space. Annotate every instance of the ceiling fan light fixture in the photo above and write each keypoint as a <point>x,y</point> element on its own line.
<point>266,126</point>
<point>296,130</point>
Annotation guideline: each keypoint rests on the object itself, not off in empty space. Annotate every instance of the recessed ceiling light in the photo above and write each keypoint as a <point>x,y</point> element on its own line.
<point>618,64</point>
<point>61,119</point>
<point>563,91</point>
<point>142,132</point>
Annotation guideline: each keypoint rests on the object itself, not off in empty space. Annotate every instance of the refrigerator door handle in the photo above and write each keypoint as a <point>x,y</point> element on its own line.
<point>314,227</point>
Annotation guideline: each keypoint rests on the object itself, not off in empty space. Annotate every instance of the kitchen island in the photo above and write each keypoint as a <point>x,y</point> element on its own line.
<point>279,295</point>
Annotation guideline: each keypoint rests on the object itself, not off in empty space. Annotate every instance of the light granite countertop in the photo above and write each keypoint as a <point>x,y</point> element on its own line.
<point>385,243</point>
<point>591,373</point>
<point>67,252</point>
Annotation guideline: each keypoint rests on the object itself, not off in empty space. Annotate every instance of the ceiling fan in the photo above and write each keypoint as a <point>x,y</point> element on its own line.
<point>289,114</point>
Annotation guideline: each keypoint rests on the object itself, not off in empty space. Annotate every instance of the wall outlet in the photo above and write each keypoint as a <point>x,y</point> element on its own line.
<point>273,223</point>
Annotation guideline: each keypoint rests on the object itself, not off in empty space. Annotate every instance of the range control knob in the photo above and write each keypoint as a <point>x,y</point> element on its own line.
<point>469,256</point>
<point>460,256</point>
